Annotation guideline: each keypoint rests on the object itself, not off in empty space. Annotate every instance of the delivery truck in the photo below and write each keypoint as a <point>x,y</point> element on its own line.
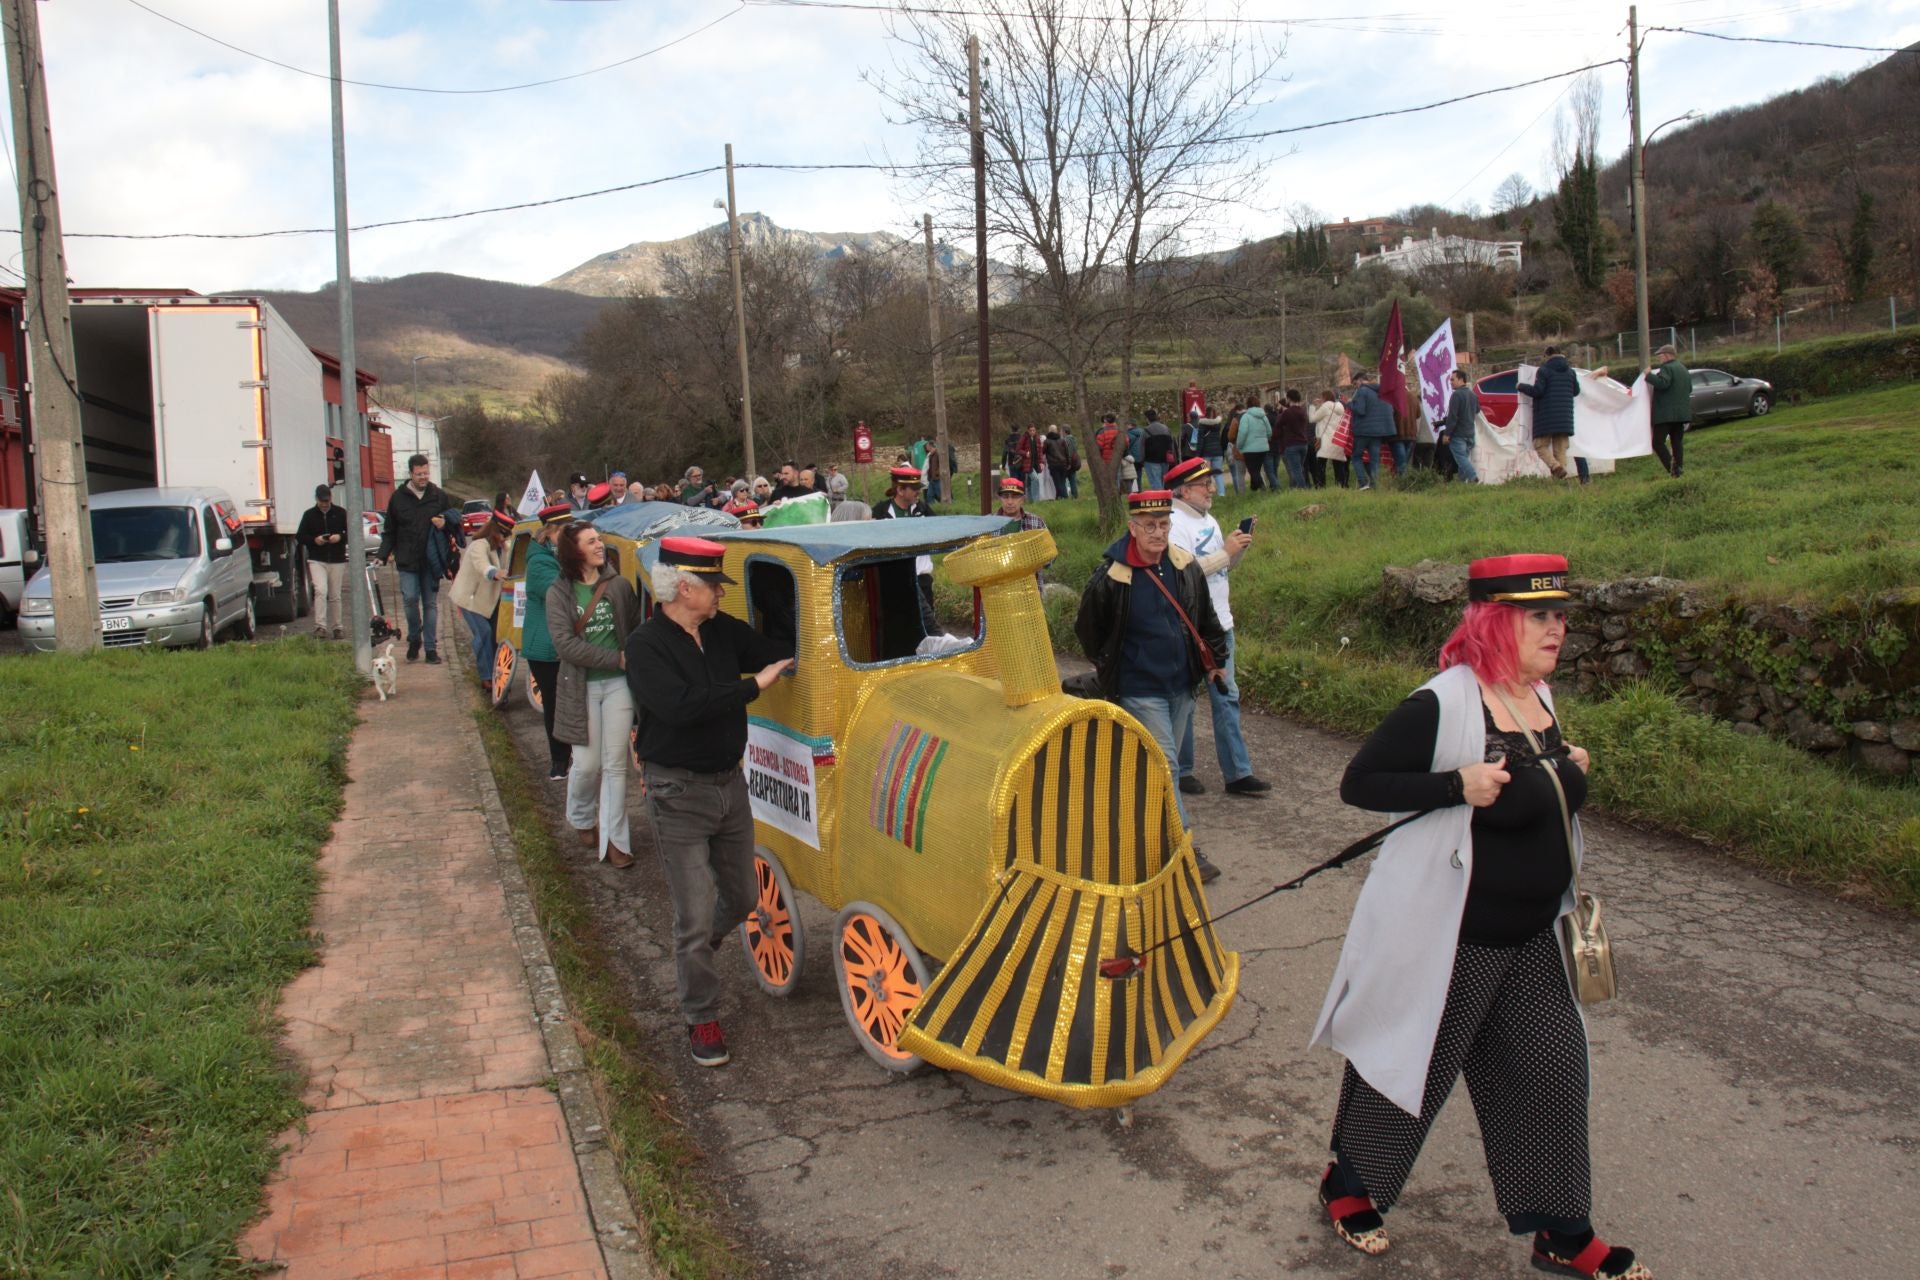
<point>207,392</point>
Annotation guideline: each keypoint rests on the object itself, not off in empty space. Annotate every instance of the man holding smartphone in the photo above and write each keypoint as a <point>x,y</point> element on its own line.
<point>1197,532</point>
<point>323,533</point>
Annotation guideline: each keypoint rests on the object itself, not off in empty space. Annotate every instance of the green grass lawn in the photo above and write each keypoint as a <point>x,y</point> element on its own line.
<point>1810,504</point>
<point>160,815</point>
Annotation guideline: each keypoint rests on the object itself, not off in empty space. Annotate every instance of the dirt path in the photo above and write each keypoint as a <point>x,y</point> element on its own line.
<point>1756,1087</point>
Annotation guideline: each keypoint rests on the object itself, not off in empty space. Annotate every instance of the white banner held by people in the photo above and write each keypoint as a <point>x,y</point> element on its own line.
<point>534,498</point>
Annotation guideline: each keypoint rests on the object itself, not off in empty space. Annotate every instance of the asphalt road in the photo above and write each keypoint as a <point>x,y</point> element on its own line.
<point>1756,1087</point>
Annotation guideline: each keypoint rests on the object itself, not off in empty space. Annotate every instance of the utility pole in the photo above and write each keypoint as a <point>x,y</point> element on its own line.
<point>1639,189</point>
<point>939,374</point>
<point>59,450</point>
<point>980,265</point>
<point>353,425</point>
<point>740,323</point>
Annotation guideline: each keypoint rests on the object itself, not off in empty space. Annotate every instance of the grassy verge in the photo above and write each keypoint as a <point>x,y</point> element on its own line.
<point>658,1160</point>
<point>1770,510</point>
<point>160,815</point>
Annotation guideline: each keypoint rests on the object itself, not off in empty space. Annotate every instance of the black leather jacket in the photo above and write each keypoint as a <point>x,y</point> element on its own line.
<point>1104,605</point>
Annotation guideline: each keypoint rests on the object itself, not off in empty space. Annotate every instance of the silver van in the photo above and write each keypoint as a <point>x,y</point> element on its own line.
<point>171,567</point>
<point>18,559</point>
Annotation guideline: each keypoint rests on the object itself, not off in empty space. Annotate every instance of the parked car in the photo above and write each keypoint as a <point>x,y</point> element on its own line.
<point>18,558</point>
<point>1718,395</point>
<point>476,506</point>
<point>171,569</point>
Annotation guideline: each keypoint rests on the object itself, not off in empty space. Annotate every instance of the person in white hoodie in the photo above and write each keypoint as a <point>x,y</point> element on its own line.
<point>476,587</point>
<point>1326,417</point>
<point>1453,963</point>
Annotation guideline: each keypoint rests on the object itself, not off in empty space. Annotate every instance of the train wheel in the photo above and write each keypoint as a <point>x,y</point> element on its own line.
<point>881,977</point>
<point>504,662</point>
<point>776,944</point>
<point>533,693</point>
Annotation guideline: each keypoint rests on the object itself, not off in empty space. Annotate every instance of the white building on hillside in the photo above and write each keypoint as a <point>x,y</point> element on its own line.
<point>1439,250</point>
<point>411,434</point>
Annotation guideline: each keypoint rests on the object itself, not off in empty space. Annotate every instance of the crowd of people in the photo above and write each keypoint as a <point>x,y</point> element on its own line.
<point>1452,964</point>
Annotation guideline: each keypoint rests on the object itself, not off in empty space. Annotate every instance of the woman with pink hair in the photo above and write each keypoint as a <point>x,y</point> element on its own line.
<point>1452,963</point>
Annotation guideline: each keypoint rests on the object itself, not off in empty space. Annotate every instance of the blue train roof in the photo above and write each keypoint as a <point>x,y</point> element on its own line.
<point>825,543</point>
<point>642,520</point>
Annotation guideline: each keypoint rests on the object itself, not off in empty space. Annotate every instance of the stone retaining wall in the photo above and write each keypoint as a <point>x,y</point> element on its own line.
<point>1842,682</point>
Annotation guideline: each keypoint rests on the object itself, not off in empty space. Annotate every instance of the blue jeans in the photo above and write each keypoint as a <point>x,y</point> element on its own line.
<point>1462,451</point>
<point>1270,468</point>
<point>420,592</point>
<point>1296,466</point>
<point>480,630</point>
<point>1153,475</point>
<point>1170,720</point>
<point>1367,452</point>
<point>1219,464</point>
<point>1228,743</point>
<point>1401,449</point>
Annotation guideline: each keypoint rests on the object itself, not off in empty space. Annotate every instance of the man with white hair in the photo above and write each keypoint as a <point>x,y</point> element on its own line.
<point>692,671</point>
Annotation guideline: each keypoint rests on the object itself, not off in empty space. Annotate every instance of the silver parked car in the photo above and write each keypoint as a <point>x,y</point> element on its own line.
<point>171,568</point>
<point>1718,395</point>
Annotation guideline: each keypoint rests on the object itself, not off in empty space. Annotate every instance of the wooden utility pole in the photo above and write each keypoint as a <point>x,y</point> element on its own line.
<point>939,373</point>
<point>59,450</point>
<point>353,425</point>
<point>980,266</point>
<point>740,325</point>
<point>1639,161</point>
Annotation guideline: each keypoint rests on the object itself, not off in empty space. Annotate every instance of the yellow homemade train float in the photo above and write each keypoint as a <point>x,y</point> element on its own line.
<point>985,839</point>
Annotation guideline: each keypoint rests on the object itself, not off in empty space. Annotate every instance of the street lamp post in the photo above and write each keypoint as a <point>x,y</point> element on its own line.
<point>1639,191</point>
<point>413,376</point>
<point>739,321</point>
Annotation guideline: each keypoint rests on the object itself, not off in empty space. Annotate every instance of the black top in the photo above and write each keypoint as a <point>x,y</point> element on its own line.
<point>1520,866</point>
<point>692,698</point>
<point>409,521</point>
<point>317,522</point>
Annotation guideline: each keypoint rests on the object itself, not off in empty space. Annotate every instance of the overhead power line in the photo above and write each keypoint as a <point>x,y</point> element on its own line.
<point>1394,22</point>
<point>798,167</point>
<point>415,88</point>
<point>1804,44</point>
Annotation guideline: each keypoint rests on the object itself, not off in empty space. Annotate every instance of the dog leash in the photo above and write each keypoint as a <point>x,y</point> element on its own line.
<point>1128,964</point>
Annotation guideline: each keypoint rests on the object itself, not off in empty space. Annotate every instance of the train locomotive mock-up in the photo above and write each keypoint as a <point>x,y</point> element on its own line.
<point>985,838</point>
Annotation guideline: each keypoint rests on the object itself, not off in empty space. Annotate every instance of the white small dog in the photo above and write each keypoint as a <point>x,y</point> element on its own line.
<point>384,673</point>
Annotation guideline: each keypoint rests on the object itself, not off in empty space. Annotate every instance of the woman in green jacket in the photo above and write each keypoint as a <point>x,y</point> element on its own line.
<point>536,646</point>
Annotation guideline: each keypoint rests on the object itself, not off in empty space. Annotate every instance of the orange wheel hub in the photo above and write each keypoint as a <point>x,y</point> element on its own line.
<point>881,985</point>
<point>770,928</point>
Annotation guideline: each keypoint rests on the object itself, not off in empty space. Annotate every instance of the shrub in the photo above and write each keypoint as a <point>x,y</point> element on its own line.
<point>1551,322</point>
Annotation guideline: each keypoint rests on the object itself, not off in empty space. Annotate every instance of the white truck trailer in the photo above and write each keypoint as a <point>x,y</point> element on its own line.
<point>180,390</point>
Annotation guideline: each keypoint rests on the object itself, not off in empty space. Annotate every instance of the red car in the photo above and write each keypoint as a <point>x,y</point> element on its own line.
<point>1499,396</point>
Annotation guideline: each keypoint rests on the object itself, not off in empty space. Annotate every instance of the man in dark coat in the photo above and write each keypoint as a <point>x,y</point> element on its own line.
<point>1672,384</point>
<point>1457,428</point>
<point>416,518</point>
<point>1373,429</point>
<point>908,501</point>
<point>1137,621</point>
<point>1553,390</point>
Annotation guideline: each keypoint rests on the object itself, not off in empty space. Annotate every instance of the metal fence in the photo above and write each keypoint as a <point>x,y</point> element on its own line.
<point>1796,324</point>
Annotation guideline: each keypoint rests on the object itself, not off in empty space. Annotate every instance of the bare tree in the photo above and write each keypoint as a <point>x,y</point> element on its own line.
<point>1514,193</point>
<point>1108,138</point>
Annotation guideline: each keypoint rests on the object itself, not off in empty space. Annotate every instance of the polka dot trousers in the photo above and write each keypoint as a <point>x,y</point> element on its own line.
<point>1512,1028</point>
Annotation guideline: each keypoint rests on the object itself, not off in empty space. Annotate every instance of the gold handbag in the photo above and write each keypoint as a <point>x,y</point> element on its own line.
<point>1583,934</point>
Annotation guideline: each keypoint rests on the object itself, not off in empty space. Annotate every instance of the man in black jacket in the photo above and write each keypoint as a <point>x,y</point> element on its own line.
<point>909,500</point>
<point>1138,618</point>
<point>692,671</point>
<point>323,536</point>
<point>416,512</point>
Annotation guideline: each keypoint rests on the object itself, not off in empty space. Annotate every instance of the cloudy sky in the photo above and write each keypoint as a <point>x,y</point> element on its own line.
<point>160,129</point>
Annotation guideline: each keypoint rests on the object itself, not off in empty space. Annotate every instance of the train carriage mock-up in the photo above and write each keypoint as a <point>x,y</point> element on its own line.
<point>985,838</point>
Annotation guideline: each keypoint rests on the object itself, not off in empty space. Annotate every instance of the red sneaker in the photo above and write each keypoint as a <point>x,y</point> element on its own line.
<point>709,1046</point>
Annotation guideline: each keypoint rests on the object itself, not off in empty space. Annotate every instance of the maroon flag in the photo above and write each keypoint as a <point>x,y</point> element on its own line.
<point>1393,377</point>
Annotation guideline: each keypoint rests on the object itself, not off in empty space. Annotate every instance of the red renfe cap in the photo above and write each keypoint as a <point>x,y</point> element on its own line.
<point>697,556</point>
<point>1518,579</point>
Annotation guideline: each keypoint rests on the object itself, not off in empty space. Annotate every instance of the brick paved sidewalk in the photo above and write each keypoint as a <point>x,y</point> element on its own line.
<point>438,1146</point>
